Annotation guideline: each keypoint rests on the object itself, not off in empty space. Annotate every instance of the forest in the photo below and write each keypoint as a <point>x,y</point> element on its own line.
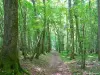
<point>49,37</point>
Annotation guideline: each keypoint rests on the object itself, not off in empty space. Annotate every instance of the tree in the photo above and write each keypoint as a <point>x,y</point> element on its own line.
<point>72,29</point>
<point>9,62</point>
<point>98,1</point>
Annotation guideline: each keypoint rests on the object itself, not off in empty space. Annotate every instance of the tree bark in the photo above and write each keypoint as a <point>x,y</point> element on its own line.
<point>98,1</point>
<point>72,30</point>
<point>9,63</point>
<point>9,58</point>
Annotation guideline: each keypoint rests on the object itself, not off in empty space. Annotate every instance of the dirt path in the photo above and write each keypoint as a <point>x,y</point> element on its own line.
<point>50,65</point>
<point>57,66</point>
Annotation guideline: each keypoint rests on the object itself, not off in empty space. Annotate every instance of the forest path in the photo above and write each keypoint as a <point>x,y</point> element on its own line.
<point>49,64</point>
<point>57,66</point>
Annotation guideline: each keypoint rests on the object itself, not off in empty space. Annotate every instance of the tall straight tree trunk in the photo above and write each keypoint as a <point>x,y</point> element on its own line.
<point>98,1</point>
<point>79,43</point>
<point>67,43</point>
<point>67,46</point>
<point>83,50</point>
<point>24,33</point>
<point>9,59</point>
<point>72,29</point>
<point>59,40</point>
<point>83,53</point>
<point>77,33</point>
<point>49,37</point>
<point>44,29</point>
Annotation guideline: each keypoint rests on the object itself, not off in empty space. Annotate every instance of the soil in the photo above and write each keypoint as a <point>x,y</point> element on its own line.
<point>50,65</point>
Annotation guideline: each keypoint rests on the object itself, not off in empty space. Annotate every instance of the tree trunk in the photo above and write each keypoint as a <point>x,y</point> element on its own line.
<point>9,62</point>
<point>98,1</point>
<point>9,58</point>
<point>83,53</point>
<point>49,37</point>
<point>72,30</point>
<point>24,33</point>
<point>44,29</point>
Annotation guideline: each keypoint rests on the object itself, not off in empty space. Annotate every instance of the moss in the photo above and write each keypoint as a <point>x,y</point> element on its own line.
<point>12,69</point>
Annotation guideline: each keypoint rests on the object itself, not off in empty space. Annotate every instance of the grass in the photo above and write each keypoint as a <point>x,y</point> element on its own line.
<point>92,64</point>
<point>66,57</point>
